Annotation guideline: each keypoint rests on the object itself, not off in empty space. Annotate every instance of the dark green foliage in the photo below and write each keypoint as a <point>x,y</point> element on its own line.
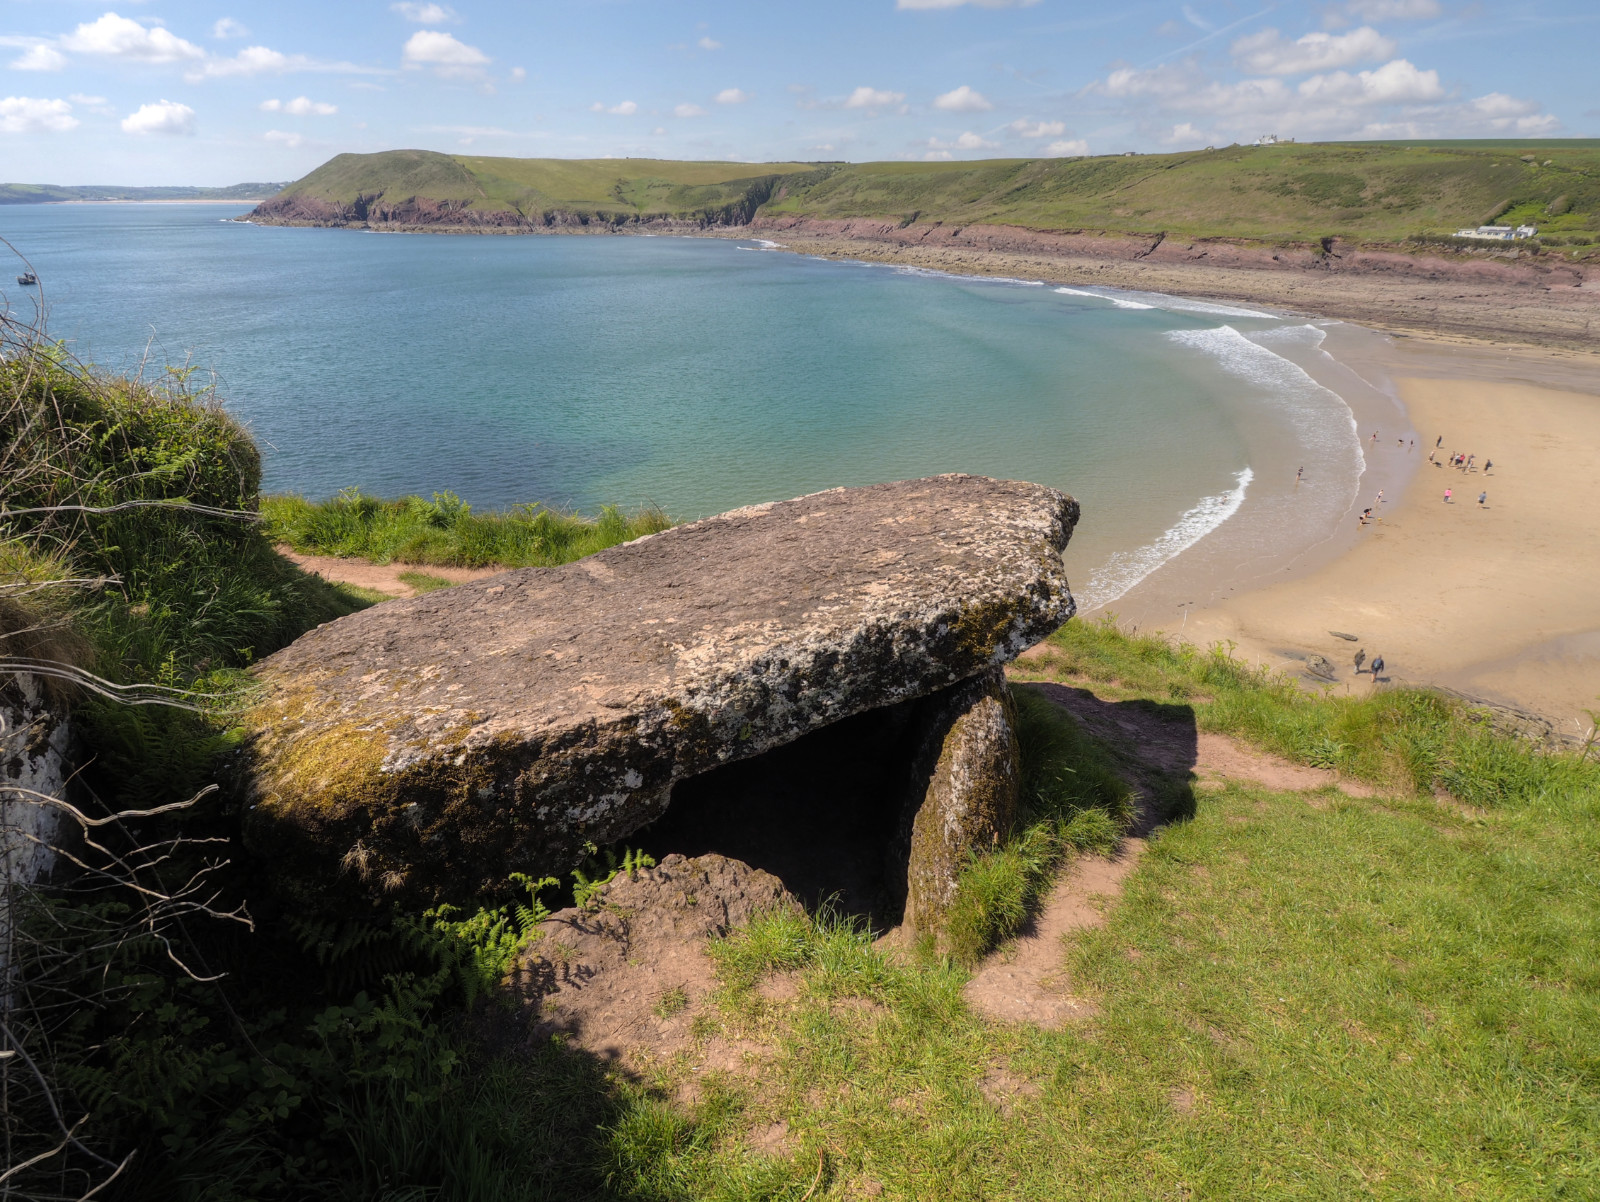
<point>446,531</point>
<point>188,591</point>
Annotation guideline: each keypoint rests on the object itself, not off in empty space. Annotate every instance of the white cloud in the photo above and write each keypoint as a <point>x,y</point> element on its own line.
<point>119,37</point>
<point>39,58</point>
<point>1038,129</point>
<point>959,3</point>
<point>688,110</point>
<point>1196,19</point>
<point>871,98</point>
<point>261,60</point>
<point>626,109</point>
<point>80,98</point>
<point>300,106</point>
<point>821,146</point>
<point>709,44</point>
<point>1507,114</point>
<point>1396,82</point>
<point>1383,10</point>
<point>430,47</point>
<point>162,117</point>
<point>1186,135</point>
<point>282,138</point>
<point>963,100</point>
<point>966,141</point>
<point>1067,148</point>
<point>936,156</point>
<point>518,74</point>
<point>1269,53</point>
<point>227,28</point>
<point>732,96</point>
<point>426,14</point>
<point>25,115</point>
<point>1395,100</point>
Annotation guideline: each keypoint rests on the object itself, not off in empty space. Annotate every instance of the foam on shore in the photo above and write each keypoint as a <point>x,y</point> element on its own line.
<point>1125,569</point>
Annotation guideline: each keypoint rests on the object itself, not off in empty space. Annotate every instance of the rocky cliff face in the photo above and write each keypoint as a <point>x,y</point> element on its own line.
<point>33,765</point>
<point>432,746</point>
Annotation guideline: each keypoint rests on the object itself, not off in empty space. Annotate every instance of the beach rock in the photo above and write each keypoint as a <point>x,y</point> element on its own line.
<point>969,760</point>
<point>1318,665</point>
<point>428,747</point>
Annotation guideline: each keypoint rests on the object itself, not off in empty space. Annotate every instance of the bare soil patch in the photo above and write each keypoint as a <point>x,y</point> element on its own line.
<point>1027,981</point>
<point>624,977</point>
<point>384,577</point>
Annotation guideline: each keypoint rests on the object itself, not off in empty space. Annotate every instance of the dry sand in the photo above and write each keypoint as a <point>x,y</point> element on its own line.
<point>1500,601</point>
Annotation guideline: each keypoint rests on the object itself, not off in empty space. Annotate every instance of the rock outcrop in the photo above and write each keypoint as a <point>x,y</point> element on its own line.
<point>431,746</point>
<point>969,759</point>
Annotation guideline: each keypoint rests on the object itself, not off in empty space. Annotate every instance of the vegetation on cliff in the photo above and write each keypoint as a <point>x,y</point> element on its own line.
<point>447,532</point>
<point>1371,192</point>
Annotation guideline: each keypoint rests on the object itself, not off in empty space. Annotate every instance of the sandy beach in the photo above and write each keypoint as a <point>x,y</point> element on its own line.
<point>1499,601</point>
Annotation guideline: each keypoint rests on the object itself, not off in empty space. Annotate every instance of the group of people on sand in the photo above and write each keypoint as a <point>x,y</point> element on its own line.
<point>1462,462</point>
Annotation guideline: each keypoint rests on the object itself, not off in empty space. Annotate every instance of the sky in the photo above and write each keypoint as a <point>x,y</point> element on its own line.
<point>182,92</point>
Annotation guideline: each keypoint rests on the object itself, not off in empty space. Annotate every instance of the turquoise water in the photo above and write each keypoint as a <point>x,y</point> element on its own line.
<point>699,374</point>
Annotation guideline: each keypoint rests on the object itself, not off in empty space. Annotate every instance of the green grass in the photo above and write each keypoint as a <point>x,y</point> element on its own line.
<point>1303,996</point>
<point>423,582</point>
<point>1302,193</point>
<point>1298,998</point>
<point>445,531</point>
<point>1409,740</point>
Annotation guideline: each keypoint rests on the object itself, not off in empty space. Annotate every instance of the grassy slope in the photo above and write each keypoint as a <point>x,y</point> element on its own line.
<point>1372,192</point>
<point>1299,996</point>
<point>446,531</point>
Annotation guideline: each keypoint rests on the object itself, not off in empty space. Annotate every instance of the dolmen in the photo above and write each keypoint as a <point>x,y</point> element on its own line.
<point>425,749</point>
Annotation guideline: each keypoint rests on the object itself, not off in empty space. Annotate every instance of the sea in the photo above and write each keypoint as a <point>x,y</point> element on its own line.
<point>703,374</point>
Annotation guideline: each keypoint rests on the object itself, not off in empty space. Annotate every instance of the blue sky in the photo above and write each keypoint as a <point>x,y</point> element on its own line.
<point>171,91</point>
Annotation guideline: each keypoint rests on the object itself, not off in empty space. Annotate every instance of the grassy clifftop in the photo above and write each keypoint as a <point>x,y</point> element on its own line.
<point>1361,191</point>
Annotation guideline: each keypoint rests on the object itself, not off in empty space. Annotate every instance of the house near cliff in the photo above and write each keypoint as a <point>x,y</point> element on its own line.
<point>1499,233</point>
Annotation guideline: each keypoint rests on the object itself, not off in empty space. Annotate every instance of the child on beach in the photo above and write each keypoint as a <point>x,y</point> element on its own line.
<point>1483,498</point>
<point>1487,464</point>
<point>1447,496</point>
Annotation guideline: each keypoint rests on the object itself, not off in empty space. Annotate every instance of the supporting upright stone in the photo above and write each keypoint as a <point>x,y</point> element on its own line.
<point>969,759</point>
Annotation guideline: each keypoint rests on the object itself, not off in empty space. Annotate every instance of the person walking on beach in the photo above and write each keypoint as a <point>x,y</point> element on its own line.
<point>1487,464</point>
<point>1483,499</point>
<point>1298,473</point>
<point>1361,658</point>
<point>1447,496</point>
<point>1470,458</point>
<point>1374,438</point>
<point>1431,454</point>
<point>1379,501</point>
<point>1440,443</point>
<point>1377,666</point>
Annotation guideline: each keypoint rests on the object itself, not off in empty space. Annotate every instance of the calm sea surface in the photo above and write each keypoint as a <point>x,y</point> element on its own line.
<point>701,374</point>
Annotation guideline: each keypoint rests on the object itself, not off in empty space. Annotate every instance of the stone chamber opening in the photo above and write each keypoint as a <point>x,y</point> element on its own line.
<point>828,814</point>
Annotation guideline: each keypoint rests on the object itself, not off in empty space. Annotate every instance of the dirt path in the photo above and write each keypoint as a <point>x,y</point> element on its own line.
<point>384,577</point>
<point>1027,980</point>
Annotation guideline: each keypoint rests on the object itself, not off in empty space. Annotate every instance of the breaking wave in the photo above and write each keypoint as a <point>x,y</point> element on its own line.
<point>1127,568</point>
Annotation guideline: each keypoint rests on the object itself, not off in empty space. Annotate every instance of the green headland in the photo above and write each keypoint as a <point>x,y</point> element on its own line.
<point>1373,192</point>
